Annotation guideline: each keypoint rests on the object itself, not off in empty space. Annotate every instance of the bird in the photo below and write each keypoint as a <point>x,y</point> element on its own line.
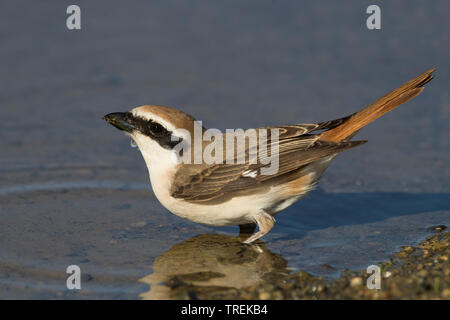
<point>238,194</point>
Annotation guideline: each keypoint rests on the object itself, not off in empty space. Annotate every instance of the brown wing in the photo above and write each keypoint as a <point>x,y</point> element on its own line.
<point>298,147</point>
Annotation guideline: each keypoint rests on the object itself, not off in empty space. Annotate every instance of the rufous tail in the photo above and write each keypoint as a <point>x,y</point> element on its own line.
<point>375,110</point>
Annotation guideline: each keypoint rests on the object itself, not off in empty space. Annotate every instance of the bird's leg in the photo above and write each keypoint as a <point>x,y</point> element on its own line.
<point>265,222</point>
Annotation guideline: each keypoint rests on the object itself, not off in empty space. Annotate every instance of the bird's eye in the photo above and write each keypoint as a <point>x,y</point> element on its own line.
<point>156,127</point>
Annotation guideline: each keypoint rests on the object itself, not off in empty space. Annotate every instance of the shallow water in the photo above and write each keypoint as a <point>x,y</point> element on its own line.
<point>73,191</point>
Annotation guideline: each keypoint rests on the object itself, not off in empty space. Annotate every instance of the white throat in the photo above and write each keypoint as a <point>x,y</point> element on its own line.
<point>160,163</point>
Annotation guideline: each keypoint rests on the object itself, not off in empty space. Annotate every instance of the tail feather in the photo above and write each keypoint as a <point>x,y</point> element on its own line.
<point>375,110</point>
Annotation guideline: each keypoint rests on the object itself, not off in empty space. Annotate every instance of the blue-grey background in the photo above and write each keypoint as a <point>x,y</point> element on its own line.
<point>72,191</point>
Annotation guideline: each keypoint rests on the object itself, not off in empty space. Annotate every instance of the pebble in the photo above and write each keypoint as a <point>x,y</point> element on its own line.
<point>357,281</point>
<point>422,273</point>
<point>446,294</point>
<point>408,249</point>
<point>264,296</point>
<point>438,228</point>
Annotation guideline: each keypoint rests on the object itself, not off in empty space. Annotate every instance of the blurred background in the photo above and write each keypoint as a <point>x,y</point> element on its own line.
<point>72,191</point>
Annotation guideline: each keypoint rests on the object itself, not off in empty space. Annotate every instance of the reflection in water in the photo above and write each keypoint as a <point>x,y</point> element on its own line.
<point>210,264</point>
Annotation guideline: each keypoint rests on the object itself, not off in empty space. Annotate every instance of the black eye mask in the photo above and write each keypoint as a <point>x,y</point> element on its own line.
<point>153,130</point>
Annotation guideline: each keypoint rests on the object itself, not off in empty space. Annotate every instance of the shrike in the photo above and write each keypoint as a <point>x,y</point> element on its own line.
<point>224,194</point>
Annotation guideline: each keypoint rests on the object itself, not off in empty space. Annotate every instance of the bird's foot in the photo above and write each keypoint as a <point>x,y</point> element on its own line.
<point>265,223</point>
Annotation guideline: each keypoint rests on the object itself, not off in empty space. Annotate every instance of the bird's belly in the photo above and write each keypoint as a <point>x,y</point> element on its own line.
<point>238,210</point>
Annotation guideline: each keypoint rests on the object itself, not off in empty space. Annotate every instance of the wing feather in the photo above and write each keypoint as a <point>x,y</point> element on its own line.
<point>297,146</point>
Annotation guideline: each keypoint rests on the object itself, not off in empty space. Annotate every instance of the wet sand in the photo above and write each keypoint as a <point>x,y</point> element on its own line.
<point>73,191</point>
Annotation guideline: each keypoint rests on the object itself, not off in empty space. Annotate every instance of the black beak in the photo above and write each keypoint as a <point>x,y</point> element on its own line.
<point>120,120</point>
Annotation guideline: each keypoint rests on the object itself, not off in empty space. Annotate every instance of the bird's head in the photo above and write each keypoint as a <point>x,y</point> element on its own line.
<point>156,130</point>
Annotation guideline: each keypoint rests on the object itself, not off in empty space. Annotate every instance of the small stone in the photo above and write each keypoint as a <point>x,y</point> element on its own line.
<point>446,294</point>
<point>277,295</point>
<point>356,281</point>
<point>422,273</point>
<point>264,296</point>
<point>437,228</point>
<point>408,249</point>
